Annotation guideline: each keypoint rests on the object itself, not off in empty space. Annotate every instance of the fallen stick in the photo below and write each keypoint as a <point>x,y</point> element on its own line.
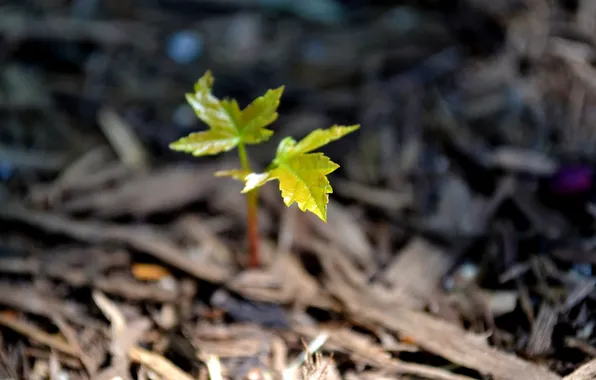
<point>35,334</point>
<point>17,25</point>
<point>369,305</point>
<point>143,239</point>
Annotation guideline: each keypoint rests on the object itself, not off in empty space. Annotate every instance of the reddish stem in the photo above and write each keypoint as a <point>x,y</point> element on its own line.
<point>252,205</point>
<point>253,230</point>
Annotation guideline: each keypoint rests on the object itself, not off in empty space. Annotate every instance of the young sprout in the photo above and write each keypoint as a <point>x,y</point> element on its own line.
<point>301,172</point>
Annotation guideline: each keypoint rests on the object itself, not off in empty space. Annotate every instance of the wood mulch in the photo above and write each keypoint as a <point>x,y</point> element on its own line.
<point>460,235</point>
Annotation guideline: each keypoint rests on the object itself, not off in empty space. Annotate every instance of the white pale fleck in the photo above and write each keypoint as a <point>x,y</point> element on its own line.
<point>254,180</point>
<point>196,105</point>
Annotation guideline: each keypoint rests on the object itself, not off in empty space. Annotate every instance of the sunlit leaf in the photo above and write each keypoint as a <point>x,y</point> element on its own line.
<point>251,180</point>
<point>303,175</point>
<point>205,143</point>
<point>258,115</point>
<point>254,180</point>
<point>205,83</point>
<point>303,180</point>
<point>285,148</point>
<point>321,137</point>
<point>233,109</point>
<point>210,109</point>
<point>238,174</point>
<point>228,124</point>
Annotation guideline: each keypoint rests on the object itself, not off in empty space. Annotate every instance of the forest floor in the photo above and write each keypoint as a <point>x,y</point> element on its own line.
<point>460,236</point>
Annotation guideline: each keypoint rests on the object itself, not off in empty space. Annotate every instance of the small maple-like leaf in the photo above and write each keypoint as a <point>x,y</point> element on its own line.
<point>228,124</point>
<point>302,175</point>
<point>258,115</point>
<point>321,137</point>
<point>217,114</point>
<point>254,180</point>
<point>205,143</point>
<point>302,179</point>
<point>239,174</point>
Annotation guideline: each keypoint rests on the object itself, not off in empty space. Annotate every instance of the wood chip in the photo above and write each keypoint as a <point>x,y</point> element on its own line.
<point>585,372</point>
<point>27,299</point>
<point>344,231</point>
<point>39,336</point>
<point>160,190</point>
<point>417,270</point>
<point>144,239</point>
<point>285,281</point>
<point>383,199</point>
<point>523,160</point>
<point>123,139</point>
<point>540,341</point>
<point>432,334</point>
<point>458,211</point>
<point>362,349</point>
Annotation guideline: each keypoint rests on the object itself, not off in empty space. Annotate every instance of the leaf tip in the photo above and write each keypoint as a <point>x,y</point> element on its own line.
<point>352,128</point>
<point>176,146</point>
<point>343,130</point>
<point>205,82</point>
<point>280,90</point>
<point>322,216</point>
<point>333,166</point>
<point>254,180</point>
<point>237,174</point>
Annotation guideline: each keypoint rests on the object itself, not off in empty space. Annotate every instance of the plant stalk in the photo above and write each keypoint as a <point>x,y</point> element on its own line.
<point>251,208</point>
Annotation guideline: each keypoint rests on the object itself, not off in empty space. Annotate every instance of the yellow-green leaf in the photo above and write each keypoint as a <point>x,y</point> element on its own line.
<point>254,180</point>
<point>210,109</point>
<point>303,175</point>
<point>285,148</point>
<point>251,180</point>
<point>303,179</point>
<point>226,117</point>
<point>205,83</point>
<point>206,143</point>
<point>233,109</point>
<point>321,137</point>
<point>238,174</point>
<point>258,115</point>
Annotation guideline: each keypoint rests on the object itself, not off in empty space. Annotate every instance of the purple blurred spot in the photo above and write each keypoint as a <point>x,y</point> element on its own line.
<point>572,179</point>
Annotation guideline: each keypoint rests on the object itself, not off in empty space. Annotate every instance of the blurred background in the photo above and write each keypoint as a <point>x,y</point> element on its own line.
<point>469,185</point>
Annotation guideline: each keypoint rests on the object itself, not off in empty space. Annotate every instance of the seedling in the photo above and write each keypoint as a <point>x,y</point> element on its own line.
<point>302,173</point>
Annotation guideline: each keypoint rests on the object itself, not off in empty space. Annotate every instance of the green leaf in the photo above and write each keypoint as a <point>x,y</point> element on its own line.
<point>233,109</point>
<point>239,174</point>
<point>285,148</point>
<point>209,109</point>
<point>303,175</point>
<point>258,115</point>
<point>302,179</point>
<point>228,124</point>
<point>206,143</point>
<point>254,180</point>
<point>319,138</point>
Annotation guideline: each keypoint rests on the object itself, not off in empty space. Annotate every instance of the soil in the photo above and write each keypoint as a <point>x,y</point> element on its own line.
<point>460,235</point>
